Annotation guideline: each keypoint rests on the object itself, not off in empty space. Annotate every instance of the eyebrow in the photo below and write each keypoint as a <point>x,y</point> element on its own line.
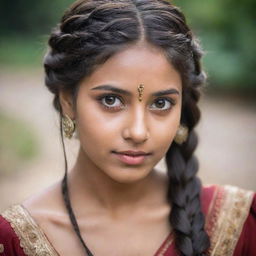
<point>111,88</point>
<point>166,92</point>
<point>107,87</point>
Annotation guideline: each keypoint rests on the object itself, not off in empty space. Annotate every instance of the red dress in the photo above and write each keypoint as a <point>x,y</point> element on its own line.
<point>230,222</point>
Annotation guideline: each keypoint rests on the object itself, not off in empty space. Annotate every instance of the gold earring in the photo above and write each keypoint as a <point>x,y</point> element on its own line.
<point>181,134</point>
<point>68,126</point>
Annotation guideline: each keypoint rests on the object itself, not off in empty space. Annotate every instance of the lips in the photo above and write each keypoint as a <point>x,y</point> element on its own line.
<point>132,157</point>
<point>132,153</point>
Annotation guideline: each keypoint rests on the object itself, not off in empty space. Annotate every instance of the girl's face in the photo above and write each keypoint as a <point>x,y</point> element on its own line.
<point>111,119</point>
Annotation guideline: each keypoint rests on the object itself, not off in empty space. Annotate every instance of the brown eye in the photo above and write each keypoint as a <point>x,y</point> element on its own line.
<point>162,104</point>
<point>111,101</point>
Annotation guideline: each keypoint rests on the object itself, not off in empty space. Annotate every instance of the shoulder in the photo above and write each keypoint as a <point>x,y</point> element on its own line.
<point>48,198</point>
<point>20,235</point>
<point>47,208</point>
<point>10,243</point>
<point>228,209</point>
<point>20,225</point>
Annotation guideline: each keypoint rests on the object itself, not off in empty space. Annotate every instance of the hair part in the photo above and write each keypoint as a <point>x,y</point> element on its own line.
<point>90,32</point>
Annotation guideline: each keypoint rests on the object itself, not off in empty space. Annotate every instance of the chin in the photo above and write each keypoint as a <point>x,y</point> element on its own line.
<point>129,175</point>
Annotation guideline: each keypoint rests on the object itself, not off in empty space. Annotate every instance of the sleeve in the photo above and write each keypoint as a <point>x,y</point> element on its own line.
<point>9,242</point>
<point>247,241</point>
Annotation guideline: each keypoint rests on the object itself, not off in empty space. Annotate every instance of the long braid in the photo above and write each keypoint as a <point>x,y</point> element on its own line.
<point>184,189</point>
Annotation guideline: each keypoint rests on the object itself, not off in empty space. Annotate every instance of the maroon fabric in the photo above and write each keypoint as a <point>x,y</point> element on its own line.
<point>247,242</point>
<point>206,198</point>
<point>246,245</point>
<point>9,240</point>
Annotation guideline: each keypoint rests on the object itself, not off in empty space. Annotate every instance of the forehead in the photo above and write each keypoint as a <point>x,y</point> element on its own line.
<point>138,64</point>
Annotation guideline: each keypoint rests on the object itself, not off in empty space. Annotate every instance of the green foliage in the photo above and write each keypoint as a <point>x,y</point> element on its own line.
<point>30,17</point>
<point>25,52</point>
<point>18,144</point>
<point>228,35</point>
<point>25,27</point>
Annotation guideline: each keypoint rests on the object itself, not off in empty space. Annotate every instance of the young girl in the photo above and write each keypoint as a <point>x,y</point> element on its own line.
<point>126,79</point>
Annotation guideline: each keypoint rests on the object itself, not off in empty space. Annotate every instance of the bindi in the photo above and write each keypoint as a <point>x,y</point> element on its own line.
<point>140,90</point>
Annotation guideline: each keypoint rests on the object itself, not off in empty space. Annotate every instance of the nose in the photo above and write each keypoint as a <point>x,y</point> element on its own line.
<point>136,128</point>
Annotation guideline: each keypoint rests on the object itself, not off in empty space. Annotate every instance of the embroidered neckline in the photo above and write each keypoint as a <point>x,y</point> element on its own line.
<point>165,245</point>
<point>231,208</point>
<point>33,241</point>
<point>224,223</point>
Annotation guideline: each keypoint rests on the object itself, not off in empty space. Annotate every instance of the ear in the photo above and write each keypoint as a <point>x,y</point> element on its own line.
<point>66,103</point>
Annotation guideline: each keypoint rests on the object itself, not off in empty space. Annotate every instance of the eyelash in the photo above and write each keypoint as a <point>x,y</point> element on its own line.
<point>169,100</point>
<point>101,97</point>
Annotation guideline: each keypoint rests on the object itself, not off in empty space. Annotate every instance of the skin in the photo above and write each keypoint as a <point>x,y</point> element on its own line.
<point>104,191</point>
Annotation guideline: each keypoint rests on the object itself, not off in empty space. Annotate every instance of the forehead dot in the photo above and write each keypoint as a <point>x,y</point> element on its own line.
<point>140,90</point>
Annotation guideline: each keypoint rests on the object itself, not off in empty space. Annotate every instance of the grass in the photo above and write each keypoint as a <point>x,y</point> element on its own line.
<point>18,143</point>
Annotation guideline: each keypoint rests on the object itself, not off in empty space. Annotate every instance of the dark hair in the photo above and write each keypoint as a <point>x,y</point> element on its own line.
<point>90,32</point>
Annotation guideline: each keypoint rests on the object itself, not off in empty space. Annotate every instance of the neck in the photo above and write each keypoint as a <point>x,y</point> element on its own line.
<point>90,184</point>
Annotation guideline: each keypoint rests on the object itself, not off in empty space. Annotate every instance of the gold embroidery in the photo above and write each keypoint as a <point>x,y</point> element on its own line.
<point>214,210</point>
<point>229,219</point>
<point>166,246</point>
<point>1,248</point>
<point>212,203</point>
<point>32,239</point>
<point>225,224</point>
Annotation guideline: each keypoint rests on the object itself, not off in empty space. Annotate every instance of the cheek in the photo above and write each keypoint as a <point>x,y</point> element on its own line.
<point>163,132</point>
<point>96,128</point>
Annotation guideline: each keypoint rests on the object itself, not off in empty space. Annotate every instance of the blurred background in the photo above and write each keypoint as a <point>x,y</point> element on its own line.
<point>30,150</point>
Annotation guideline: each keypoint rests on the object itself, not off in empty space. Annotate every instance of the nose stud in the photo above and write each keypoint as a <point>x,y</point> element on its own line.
<point>140,90</point>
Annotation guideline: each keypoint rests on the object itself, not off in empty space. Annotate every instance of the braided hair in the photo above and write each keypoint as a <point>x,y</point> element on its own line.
<point>90,32</point>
